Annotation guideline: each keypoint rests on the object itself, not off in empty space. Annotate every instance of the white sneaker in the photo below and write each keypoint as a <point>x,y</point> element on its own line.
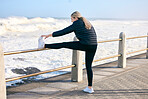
<point>88,90</point>
<point>41,43</point>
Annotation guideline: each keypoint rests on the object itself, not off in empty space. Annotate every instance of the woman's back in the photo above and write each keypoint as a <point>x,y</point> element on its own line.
<point>86,36</point>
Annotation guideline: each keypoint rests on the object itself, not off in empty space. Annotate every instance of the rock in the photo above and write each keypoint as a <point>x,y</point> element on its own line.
<point>31,70</point>
<point>18,71</point>
<point>1,24</point>
<point>28,70</point>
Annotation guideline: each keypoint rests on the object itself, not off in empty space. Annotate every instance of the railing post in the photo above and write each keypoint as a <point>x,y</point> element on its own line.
<point>147,47</point>
<point>77,71</point>
<point>2,75</point>
<point>122,51</point>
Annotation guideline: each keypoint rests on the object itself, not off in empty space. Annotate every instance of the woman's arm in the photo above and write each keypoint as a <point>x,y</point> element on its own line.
<point>64,31</point>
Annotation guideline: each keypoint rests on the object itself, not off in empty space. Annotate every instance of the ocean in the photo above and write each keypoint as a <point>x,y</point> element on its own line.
<point>22,33</point>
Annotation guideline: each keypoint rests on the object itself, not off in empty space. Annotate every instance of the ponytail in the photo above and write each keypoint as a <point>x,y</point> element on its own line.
<point>86,22</point>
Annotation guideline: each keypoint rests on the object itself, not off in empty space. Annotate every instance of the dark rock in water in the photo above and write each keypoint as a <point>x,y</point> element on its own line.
<point>31,70</point>
<point>28,70</point>
<point>18,71</point>
<point>1,24</point>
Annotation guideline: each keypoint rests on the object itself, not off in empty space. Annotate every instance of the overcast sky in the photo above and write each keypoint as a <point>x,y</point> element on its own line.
<point>124,9</point>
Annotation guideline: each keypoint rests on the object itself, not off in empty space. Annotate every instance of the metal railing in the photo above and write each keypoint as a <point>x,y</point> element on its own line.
<point>77,73</point>
<point>72,66</point>
<point>43,72</point>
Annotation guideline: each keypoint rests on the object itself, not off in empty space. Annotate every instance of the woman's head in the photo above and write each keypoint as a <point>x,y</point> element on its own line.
<point>76,15</point>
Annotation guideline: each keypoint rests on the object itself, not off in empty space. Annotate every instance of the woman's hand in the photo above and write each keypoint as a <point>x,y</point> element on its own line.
<point>46,36</point>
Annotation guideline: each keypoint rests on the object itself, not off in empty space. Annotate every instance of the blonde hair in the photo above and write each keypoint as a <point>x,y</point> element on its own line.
<point>76,14</point>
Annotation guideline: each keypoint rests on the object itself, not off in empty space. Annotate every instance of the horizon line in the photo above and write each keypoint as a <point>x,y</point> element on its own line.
<point>91,18</point>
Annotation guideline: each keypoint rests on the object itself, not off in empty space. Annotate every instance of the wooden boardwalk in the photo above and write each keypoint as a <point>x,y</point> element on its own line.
<point>110,82</point>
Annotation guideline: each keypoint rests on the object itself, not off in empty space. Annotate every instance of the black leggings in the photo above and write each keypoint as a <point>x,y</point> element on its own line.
<point>90,51</point>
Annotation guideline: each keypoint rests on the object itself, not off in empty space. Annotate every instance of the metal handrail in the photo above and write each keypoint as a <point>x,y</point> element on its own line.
<point>47,71</point>
<point>35,74</point>
<point>109,40</point>
<point>24,51</point>
<point>106,58</point>
<point>119,55</point>
<point>33,50</point>
<point>137,51</point>
<point>136,37</point>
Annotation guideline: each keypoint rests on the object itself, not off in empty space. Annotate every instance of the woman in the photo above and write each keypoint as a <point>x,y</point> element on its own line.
<point>86,35</point>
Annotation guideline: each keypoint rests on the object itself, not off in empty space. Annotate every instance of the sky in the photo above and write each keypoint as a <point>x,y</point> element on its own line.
<point>120,9</point>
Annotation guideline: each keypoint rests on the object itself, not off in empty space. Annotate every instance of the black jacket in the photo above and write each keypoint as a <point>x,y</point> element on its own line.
<point>85,36</point>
